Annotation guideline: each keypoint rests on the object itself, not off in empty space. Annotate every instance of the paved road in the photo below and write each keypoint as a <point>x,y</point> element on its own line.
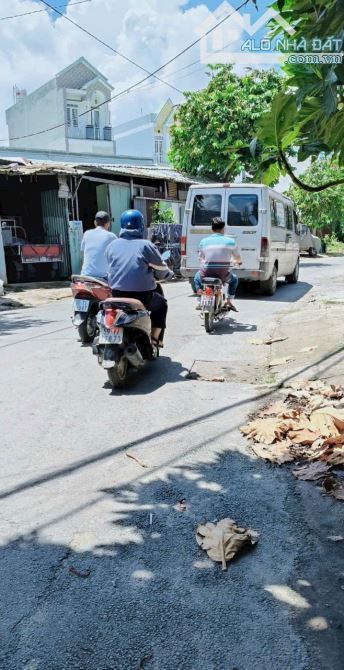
<point>141,594</point>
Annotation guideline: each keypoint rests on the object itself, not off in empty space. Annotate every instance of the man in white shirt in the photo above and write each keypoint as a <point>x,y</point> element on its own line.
<point>93,246</point>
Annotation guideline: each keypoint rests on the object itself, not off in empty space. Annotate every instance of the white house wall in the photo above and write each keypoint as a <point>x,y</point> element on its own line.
<point>139,143</point>
<point>41,109</point>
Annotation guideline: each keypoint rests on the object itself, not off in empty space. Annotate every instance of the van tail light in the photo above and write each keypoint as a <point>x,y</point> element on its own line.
<point>183,246</point>
<point>208,291</point>
<point>264,247</point>
<point>110,315</point>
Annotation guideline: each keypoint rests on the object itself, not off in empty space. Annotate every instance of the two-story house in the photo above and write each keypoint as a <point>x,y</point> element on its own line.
<point>147,135</point>
<point>69,104</point>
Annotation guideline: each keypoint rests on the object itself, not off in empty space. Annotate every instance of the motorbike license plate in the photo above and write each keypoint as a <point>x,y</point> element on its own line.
<point>208,302</point>
<point>107,336</point>
<point>81,305</point>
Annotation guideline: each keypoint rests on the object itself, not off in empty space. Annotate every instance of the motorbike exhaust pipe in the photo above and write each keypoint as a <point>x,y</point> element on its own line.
<point>133,355</point>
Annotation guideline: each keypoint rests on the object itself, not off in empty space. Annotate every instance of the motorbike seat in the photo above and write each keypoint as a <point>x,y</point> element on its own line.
<point>95,280</point>
<point>131,302</point>
<point>212,280</point>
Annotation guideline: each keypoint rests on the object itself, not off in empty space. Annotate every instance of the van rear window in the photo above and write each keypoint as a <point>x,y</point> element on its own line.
<point>242,210</point>
<point>205,207</point>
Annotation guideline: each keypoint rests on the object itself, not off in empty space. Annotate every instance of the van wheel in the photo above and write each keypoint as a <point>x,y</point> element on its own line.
<point>293,278</point>
<point>269,286</point>
<point>312,252</point>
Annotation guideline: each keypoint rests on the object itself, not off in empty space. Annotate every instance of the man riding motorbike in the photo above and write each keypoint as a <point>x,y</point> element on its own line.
<point>93,246</point>
<point>216,253</point>
<point>133,264</point>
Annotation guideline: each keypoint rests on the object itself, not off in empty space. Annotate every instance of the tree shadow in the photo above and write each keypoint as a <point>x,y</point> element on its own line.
<point>20,322</point>
<point>143,594</point>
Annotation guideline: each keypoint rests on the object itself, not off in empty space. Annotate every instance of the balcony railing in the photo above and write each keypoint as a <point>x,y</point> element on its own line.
<point>90,133</point>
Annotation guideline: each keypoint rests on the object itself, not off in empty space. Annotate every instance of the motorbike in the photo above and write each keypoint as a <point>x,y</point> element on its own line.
<point>88,293</point>
<point>124,339</point>
<point>213,299</point>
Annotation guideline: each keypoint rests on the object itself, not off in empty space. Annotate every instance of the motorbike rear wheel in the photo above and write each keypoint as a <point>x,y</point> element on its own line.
<point>208,321</point>
<point>87,329</point>
<point>117,375</point>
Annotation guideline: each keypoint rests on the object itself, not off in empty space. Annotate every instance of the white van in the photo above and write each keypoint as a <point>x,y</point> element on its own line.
<point>262,221</point>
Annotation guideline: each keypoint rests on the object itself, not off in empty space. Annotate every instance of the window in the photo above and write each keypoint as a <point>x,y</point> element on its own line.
<point>72,116</point>
<point>273,212</point>
<point>288,214</point>
<point>242,210</point>
<point>158,149</point>
<point>280,214</point>
<point>205,207</point>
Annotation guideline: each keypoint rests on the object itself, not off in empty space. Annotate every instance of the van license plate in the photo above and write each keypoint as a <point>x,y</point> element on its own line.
<point>81,305</point>
<point>107,336</point>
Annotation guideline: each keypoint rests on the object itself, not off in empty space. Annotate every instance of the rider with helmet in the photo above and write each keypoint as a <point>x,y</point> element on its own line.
<point>133,264</point>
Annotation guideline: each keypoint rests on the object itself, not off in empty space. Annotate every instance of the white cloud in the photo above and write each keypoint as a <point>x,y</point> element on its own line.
<point>35,47</point>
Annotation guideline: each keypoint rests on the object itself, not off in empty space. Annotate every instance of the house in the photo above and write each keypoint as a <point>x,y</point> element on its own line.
<point>47,198</point>
<point>69,103</point>
<point>147,135</point>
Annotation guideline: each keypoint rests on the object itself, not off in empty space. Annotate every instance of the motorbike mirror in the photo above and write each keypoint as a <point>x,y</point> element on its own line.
<point>166,255</point>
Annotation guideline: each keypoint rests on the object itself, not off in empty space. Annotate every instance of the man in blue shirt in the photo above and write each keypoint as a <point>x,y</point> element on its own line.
<point>133,265</point>
<point>93,246</point>
<point>216,253</point>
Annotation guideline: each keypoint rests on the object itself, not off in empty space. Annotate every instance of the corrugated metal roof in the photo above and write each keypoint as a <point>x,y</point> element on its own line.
<point>25,167</point>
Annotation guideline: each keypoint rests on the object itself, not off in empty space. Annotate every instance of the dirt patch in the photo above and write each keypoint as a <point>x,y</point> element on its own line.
<point>32,295</point>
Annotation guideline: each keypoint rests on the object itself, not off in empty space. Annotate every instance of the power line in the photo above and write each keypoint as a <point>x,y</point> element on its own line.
<point>130,88</point>
<point>108,46</point>
<point>39,11</point>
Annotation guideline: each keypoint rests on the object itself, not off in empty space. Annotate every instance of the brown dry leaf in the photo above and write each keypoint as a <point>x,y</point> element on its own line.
<point>280,361</point>
<point>269,341</point>
<point>323,422</point>
<point>275,453</point>
<point>334,456</point>
<point>265,430</point>
<point>333,441</point>
<point>222,540</point>
<point>336,414</point>
<point>311,472</point>
<point>304,436</point>
<point>276,408</point>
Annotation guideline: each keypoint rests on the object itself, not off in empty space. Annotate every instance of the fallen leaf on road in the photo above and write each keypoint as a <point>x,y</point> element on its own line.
<point>270,341</point>
<point>134,458</point>
<point>280,361</point>
<point>180,505</point>
<point>335,538</point>
<point>336,414</point>
<point>323,422</point>
<point>275,453</point>
<point>305,350</point>
<point>265,430</point>
<point>311,472</point>
<point>78,573</point>
<point>333,456</point>
<point>304,436</point>
<point>222,540</point>
<point>338,493</point>
<point>281,410</point>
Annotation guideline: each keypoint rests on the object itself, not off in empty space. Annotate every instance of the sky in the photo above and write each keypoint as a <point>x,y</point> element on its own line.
<point>34,47</point>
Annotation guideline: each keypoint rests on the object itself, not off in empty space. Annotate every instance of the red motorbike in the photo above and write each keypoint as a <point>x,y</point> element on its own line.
<point>88,293</point>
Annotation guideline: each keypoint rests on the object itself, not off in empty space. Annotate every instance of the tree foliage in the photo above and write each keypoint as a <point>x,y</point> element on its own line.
<point>215,120</point>
<point>308,117</point>
<point>323,210</point>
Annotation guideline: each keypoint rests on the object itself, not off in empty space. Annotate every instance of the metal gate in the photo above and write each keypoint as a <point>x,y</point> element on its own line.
<point>55,224</point>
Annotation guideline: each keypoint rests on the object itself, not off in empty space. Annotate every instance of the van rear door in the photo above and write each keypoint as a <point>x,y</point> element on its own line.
<point>205,203</point>
<point>243,216</point>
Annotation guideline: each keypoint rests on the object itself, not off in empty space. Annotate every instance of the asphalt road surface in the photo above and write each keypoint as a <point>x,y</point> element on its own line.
<point>99,571</point>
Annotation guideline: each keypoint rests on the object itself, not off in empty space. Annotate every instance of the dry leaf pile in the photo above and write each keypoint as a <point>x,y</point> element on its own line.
<point>222,540</point>
<point>308,427</point>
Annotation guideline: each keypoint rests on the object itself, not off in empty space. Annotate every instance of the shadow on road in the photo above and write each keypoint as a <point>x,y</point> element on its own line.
<point>18,323</point>
<point>151,377</point>
<point>152,599</point>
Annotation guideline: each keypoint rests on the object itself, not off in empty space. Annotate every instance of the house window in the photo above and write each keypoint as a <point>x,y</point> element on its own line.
<point>72,116</point>
<point>158,149</point>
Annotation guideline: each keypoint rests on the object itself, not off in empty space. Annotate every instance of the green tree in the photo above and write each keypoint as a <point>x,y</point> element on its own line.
<point>308,117</point>
<point>216,119</point>
<point>163,213</point>
<point>322,210</point>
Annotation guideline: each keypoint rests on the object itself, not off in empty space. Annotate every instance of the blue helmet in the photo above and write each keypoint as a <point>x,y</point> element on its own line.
<point>132,219</point>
